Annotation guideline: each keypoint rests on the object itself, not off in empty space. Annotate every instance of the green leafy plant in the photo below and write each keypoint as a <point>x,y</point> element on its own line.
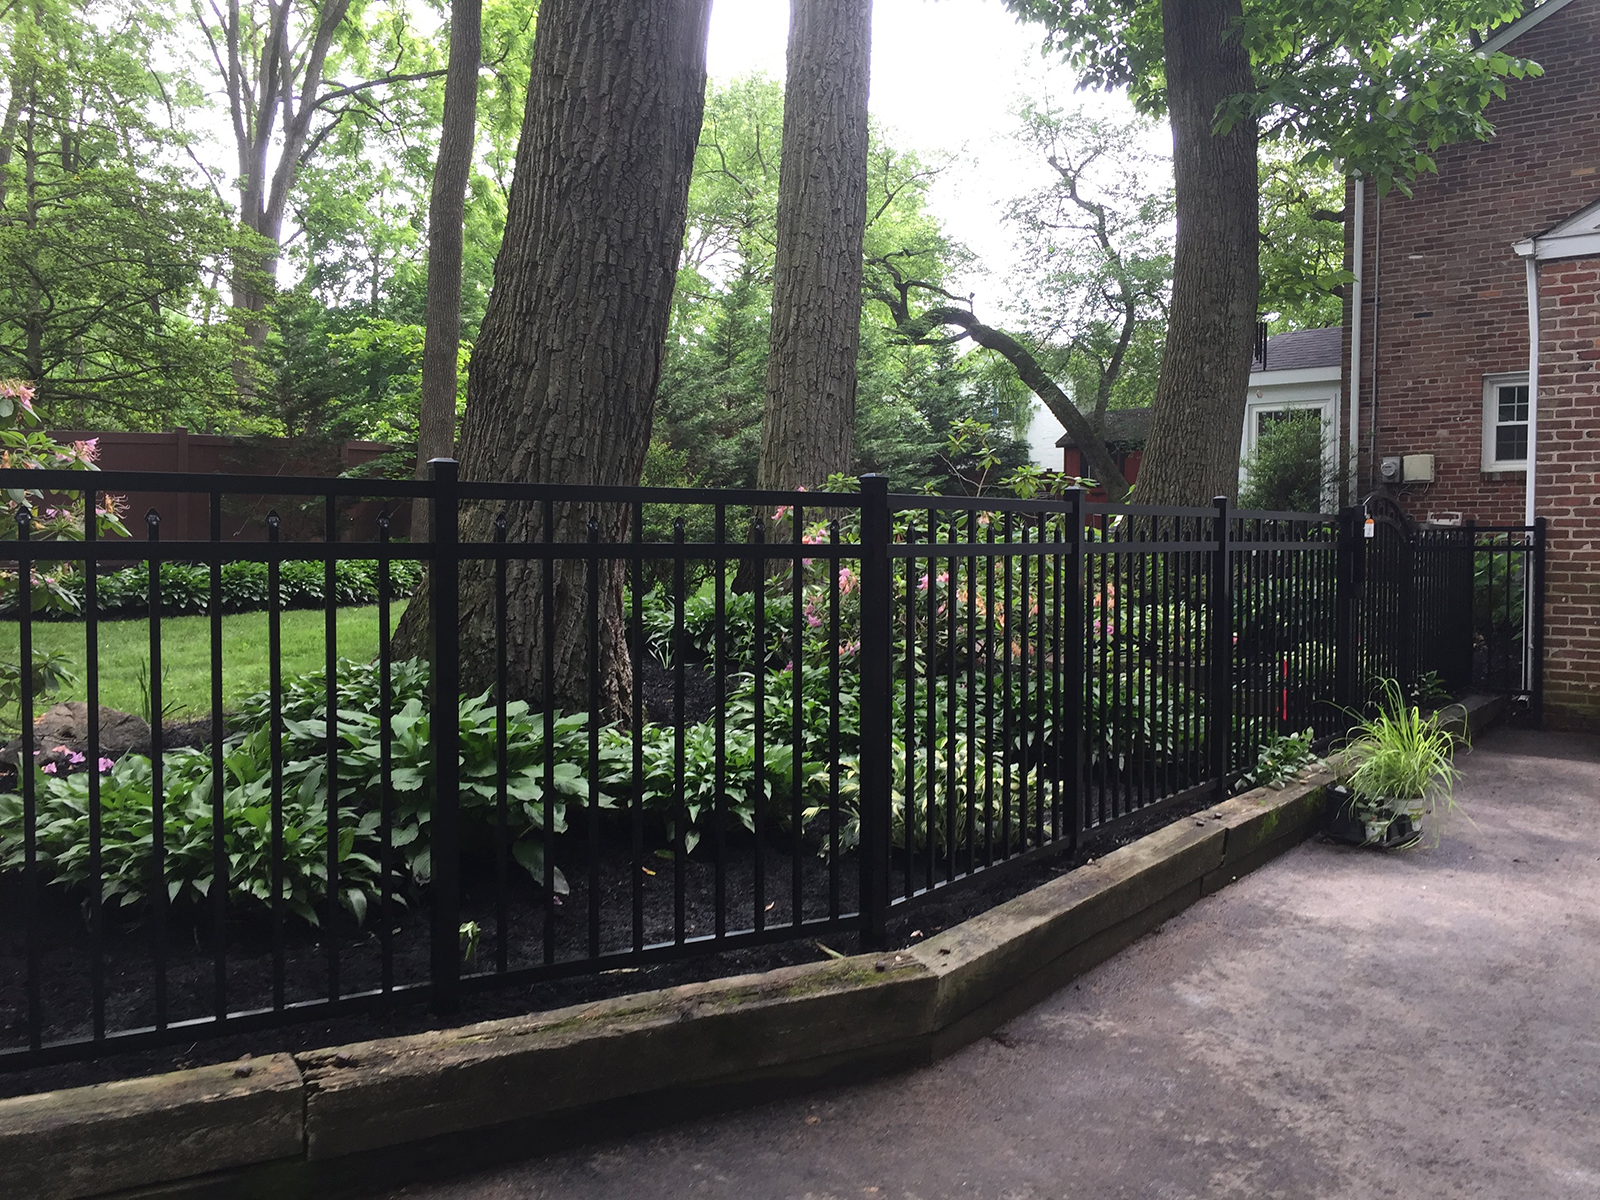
<point>186,588</point>
<point>126,829</point>
<point>471,934</point>
<point>1404,761</point>
<point>1281,759</point>
<point>52,670</point>
<point>168,706</point>
<point>1430,689</point>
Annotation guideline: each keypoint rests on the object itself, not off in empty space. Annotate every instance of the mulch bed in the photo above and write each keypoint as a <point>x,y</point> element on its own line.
<point>128,970</point>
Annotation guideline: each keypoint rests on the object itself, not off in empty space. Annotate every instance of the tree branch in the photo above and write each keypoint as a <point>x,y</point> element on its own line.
<point>1042,386</point>
<point>351,89</point>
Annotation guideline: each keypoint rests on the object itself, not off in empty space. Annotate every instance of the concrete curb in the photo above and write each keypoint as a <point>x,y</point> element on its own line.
<point>346,1118</point>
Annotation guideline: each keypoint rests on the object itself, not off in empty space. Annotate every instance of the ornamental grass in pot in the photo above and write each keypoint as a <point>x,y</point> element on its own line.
<point>1403,771</point>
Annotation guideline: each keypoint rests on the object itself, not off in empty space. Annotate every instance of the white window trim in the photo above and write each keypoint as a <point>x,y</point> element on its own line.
<point>1491,420</point>
<point>1322,405</point>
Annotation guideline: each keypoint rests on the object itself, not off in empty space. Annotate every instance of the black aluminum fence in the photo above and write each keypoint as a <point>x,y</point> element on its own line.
<point>1507,618</point>
<point>684,721</point>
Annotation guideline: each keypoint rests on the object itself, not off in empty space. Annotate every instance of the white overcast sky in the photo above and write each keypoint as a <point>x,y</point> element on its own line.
<point>945,74</point>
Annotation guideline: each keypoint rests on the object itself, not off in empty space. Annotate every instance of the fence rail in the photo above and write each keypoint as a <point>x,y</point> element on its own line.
<point>623,725</point>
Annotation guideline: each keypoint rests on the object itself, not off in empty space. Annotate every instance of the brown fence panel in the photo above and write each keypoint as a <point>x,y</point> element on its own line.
<point>184,517</point>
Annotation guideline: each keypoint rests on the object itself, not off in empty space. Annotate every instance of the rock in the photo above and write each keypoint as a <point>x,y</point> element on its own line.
<point>67,724</point>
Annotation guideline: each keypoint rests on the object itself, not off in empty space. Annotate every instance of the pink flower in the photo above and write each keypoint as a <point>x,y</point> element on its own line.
<point>49,768</point>
<point>75,758</point>
<point>106,764</point>
<point>59,750</point>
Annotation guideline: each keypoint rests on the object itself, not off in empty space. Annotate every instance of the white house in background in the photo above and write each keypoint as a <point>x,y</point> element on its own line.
<point>1042,435</point>
<point>1302,373</point>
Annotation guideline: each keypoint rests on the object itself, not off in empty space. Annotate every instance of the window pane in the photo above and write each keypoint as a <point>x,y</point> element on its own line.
<point>1514,403</point>
<point>1510,443</point>
<point>1265,420</point>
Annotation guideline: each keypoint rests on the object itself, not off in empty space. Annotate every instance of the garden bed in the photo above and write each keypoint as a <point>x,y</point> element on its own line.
<point>190,962</point>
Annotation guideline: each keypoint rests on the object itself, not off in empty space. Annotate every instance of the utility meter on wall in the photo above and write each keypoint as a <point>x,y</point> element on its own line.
<point>1389,470</point>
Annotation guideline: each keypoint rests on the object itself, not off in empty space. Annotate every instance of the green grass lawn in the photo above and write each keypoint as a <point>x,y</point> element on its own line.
<point>186,655</point>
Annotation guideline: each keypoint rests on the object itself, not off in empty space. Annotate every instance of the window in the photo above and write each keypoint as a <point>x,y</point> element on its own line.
<point>1289,426</point>
<point>1505,423</point>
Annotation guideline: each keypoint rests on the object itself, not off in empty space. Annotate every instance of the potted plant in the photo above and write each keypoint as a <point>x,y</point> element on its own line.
<point>1403,771</point>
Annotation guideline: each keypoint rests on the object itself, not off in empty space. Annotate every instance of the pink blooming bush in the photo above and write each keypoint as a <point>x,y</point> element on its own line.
<point>23,445</point>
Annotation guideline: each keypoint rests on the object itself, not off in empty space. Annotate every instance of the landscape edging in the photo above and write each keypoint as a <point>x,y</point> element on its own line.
<point>341,1117</point>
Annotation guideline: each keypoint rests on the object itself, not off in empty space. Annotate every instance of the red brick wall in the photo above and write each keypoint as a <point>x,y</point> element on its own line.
<point>1450,298</point>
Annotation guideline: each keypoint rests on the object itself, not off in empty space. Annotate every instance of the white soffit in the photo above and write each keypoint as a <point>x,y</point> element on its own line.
<point>1576,237</point>
<point>1331,374</point>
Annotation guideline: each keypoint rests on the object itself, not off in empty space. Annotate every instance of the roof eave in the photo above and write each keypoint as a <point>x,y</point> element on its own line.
<point>1527,21</point>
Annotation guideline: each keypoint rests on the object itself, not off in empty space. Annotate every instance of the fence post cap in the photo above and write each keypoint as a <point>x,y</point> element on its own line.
<point>443,468</point>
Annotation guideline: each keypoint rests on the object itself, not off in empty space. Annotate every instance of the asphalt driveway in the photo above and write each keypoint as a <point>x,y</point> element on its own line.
<point>1342,1023</point>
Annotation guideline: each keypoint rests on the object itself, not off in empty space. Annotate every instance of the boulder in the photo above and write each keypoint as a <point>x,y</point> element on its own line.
<point>67,724</point>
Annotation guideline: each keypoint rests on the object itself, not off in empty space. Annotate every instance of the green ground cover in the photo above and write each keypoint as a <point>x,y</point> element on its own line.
<point>186,656</point>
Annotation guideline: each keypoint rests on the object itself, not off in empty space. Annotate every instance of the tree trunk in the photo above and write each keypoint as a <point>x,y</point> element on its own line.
<point>562,383</point>
<point>808,426</point>
<point>436,424</point>
<point>1193,450</point>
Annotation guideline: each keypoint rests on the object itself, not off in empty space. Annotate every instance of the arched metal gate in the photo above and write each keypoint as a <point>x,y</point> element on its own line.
<point>1462,603</point>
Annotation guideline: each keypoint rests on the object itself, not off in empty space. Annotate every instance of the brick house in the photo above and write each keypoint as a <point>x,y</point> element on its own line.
<point>1486,277</point>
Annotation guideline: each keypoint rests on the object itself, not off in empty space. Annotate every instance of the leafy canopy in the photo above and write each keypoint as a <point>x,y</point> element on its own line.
<point>1375,84</point>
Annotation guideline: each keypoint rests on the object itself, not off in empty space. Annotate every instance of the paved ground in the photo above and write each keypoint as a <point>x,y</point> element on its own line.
<point>1340,1024</point>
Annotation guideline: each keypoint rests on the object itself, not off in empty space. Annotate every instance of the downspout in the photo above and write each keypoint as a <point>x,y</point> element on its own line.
<point>1377,312</point>
<point>1530,253</point>
<point>1532,262</point>
<point>1352,479</point>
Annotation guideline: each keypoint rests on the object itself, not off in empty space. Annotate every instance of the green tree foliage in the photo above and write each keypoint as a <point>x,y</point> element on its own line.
<point>110,244</point>
<point>1095,253</point>
<point>1302,242</point>
<point>343,354</point>
<point>908,396</point>
<point>1377,85</point>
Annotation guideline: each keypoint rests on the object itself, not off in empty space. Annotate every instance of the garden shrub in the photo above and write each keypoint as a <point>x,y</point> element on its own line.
<point>186,588</point>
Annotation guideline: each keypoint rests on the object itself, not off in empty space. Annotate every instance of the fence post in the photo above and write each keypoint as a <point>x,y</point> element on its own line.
<point>1541,529</point>
<point>1347,594</point>
<point>1073,642</point>
<point>1466,609</point>
<point>1407,666</point>
<point>1219,698</point>
<point>444,619</point>
<point>877,775</point>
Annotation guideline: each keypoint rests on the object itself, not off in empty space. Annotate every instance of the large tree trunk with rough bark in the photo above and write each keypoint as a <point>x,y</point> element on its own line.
<point>563,377</point>
<point>436,424</point>
<point>808,427</point>
<point>1193,450</point>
